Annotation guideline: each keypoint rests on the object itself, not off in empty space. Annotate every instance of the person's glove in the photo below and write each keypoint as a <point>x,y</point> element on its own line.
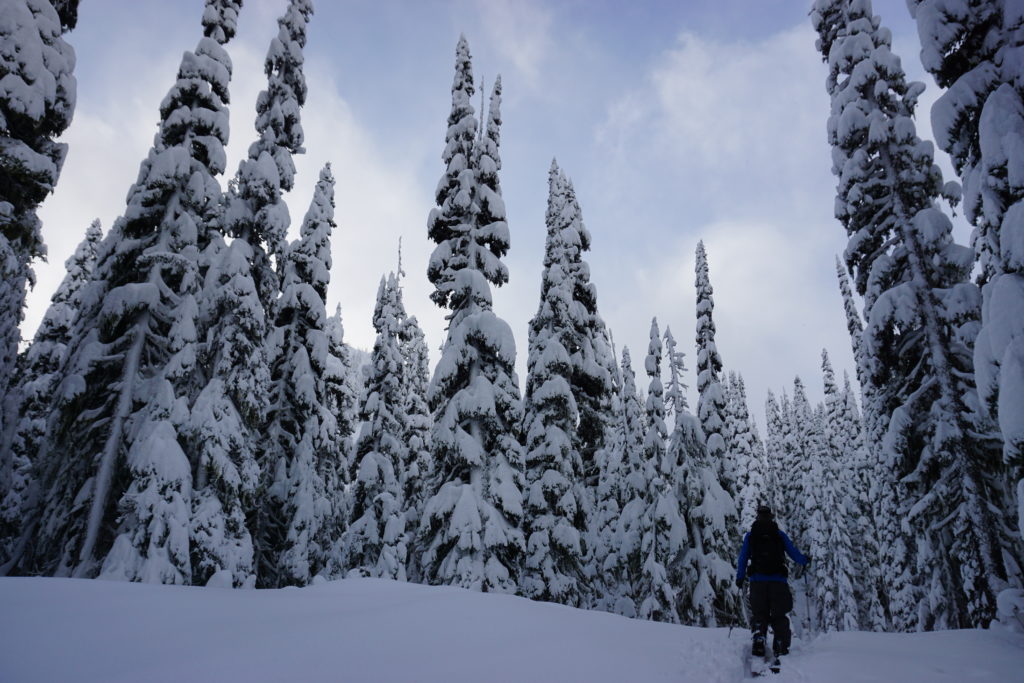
<point>739,583</point>
<point>808,562</point>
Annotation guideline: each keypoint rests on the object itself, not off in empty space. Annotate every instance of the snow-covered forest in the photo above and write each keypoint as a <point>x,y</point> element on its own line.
<point>189,411</point>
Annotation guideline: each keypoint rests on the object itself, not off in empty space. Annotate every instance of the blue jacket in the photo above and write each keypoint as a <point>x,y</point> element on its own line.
<point>741,567</point>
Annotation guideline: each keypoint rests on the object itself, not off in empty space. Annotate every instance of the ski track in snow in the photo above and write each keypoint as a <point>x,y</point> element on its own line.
<point>377,630</point>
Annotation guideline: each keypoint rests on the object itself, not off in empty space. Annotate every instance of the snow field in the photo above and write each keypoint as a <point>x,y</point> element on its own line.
<point>376,630</point>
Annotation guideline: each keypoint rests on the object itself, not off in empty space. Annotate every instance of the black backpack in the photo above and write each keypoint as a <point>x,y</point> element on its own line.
<point>767,550</point>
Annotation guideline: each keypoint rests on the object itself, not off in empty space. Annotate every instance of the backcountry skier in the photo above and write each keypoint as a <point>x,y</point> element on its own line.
<point>765,547</point>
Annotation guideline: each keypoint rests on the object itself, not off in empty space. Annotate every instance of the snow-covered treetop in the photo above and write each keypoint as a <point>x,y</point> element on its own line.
<point>675,396</point>
<point>277,107</point>
<point>312,253</point>
<point>468,224</point>
<point>220,19</point>
<point>872,133</point>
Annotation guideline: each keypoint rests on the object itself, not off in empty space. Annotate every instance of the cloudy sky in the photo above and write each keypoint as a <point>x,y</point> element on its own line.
<point>677,122</point>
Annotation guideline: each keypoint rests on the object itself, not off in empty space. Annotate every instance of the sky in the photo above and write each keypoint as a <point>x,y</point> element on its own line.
<point>676,121</point>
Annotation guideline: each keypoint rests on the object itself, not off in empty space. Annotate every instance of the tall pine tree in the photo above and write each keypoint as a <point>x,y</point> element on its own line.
<point>296,524</point>
<point>921,310</point>
<point>375,541</point>
<point>470,534</point>
<point>115,450</point>
<point>972,49</point>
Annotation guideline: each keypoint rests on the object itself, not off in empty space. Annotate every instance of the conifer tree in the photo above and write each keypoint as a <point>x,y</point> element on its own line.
<point>232,379</point>
<point>470,534</point>
<point>38,376</point>
<point>714,508</point>
<point>751,484</point>
<point>36,105</point>
<point>375,542</point>
<point>634,489</point>
<point>555,518</point>
<point>675,396</point>
<point>662,532</point>
<point>774,452</point>
<point>606,558</point>
<point>921,311</point>
<point>972,48</point>
<point>414,473</point>
<point>115,449</point>
<point>861,480</point>
<point>838,574</point>
<point>296,524</point>
<point>711,401</point>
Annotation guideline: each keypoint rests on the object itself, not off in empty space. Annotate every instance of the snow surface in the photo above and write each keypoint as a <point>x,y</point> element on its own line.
<point>378,630</point>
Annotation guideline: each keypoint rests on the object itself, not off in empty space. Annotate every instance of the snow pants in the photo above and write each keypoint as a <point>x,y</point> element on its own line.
<point>770,602</point>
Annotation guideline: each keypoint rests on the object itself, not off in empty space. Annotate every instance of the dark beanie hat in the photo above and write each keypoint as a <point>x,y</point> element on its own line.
<point>764,511</point>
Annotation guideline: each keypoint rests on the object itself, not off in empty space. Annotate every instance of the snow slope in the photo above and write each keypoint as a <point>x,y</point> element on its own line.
<point>376,630</point>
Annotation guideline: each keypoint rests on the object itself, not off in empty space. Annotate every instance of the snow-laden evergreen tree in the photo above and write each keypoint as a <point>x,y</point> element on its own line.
<point>555,519</point>
<point>662,531</point>
<point>593,361</point>
<point>676,404</point>
<point>861,503</point>
<point>751,480</point>
<point>606,559</point>
<point>470,533</point>
<point>714,509</point>
<point>974,48</point>
<point>37,101</point>
<point>296,524</point>
<point>233,378</point>
<point>257,214</point>
<point>839,571</point>
<point>711,400</point>
<point>808,445</point>
<point>38,376</point>
<point>774,452</point>
<point>116,484</point>
<point>414,474</point>
<point>341,398</point>
<point>921,313</point>
<point>634,488</point>
<point>375,541</point>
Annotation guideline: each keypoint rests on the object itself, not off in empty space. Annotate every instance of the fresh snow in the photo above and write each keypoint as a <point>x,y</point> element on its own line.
<point>378,630</point>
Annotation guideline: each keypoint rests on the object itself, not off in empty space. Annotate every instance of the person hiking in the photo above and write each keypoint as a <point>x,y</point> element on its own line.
<point>765,547</point>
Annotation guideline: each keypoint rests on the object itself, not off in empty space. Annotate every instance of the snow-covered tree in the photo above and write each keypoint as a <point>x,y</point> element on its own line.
<point>973,48</point>
<point>774,452</point>
<point>415,471</point>
<point>375,541</point>
<point>751,480</point>
<point>941,456</point>
<point>470,533</point>
<point>233,377</point>
<point>555,519</point>
<point>676,404</point>
<point>621,564</point>
<point>37,101</point>
<point>296,524</point>
<point>837,569</point>
<point>713,507</point>
<point>116,484</point>
<point>662,533</point>
<point>861,501</point>
<point>38,376</point>
<point>341,397</point>
<point>606,560</point>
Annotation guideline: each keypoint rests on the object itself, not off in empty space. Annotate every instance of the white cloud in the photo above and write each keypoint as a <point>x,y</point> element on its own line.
<point>519,32</point>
